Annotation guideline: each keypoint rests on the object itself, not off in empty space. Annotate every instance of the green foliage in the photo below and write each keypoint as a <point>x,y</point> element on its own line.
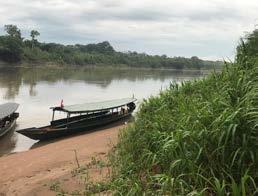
<point>55,186</point>
<point>197,138</point>
<point>11,44</point>
<point>103,47</point>
<point>13,31</point>
<point>33,34</point>
<point>10,48</point>
<point>92,54</point>
<point>247,51</point>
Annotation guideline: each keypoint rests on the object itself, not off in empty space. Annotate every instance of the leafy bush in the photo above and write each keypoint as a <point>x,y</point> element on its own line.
<point>10,48</point>
<point>197,138</point>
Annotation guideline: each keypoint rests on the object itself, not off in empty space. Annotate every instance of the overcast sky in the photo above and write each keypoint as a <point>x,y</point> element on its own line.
<point>209,29</point>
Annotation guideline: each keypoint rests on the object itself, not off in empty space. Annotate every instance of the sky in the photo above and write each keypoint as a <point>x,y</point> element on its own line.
<point>209,29</point>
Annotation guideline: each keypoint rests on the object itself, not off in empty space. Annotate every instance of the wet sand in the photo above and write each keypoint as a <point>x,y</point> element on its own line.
<point>27,173</point>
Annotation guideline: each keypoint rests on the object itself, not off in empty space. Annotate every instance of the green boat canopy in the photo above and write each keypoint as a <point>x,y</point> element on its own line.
<point>95,106</point>
<point>7,109</point>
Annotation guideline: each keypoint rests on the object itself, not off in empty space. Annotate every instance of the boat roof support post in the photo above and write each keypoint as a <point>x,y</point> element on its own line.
<point>53,115</point>
<point>67,120</point>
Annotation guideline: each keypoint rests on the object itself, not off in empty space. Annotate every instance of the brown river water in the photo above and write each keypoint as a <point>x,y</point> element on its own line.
<point>37,89</point>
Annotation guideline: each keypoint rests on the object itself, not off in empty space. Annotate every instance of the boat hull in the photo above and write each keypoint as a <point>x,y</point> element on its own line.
<point>7,128</point>
<point>51,132</point>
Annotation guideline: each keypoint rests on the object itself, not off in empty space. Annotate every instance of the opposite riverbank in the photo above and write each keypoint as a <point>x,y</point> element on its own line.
<point>43,170</point>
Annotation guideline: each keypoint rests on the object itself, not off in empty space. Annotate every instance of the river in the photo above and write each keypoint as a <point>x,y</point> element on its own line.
<point>37,89</point>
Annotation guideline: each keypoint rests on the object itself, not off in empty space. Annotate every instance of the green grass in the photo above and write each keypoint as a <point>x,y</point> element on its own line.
<point>197,138</point>
<point>54,186</point>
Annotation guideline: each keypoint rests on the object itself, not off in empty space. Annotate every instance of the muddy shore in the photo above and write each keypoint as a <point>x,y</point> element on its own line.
<point>29,172</point>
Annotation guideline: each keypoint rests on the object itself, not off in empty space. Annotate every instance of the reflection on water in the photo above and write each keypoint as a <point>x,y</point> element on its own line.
<point>37,89</point>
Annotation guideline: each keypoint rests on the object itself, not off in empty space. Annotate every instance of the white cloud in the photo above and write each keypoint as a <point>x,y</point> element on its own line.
<point>208,29</point>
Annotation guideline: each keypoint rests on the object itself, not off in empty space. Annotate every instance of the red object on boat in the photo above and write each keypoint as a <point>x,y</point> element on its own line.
<point>62,104</point>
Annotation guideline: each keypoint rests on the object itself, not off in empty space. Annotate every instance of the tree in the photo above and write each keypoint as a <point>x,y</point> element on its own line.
<point>196,62</point>
<point>13,31</point>
<point>33,34</point>
<point>10,48</point>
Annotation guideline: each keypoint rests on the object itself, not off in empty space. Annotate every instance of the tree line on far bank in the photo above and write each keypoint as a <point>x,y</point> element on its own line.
<point>15,49</point>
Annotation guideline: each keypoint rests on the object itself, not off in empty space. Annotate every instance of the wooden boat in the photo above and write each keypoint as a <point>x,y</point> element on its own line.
<point>82,117</point>
<point>8,117</point>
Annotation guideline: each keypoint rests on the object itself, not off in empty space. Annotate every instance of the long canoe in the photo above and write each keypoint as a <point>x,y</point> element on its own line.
<point>87,117</point>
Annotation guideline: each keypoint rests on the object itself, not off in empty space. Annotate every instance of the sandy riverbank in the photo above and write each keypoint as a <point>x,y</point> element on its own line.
<point>28,173</point>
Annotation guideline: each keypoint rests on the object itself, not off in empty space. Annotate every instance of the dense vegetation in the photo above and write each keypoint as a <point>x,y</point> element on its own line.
<point>198,138</point>
<point>14,48</point>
